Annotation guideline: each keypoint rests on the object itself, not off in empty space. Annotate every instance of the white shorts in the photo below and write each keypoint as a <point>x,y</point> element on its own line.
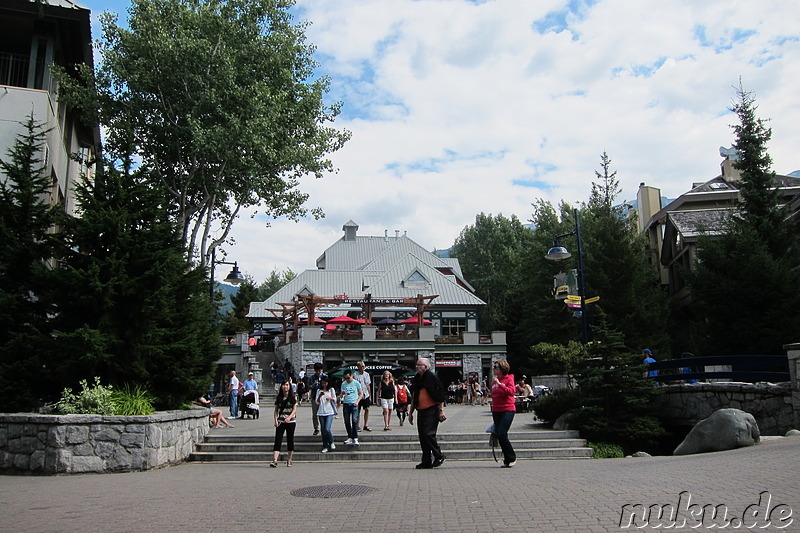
<point>387,403</point>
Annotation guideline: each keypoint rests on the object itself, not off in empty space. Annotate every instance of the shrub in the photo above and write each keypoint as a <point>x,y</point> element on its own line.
<point>550,407</point>
<point>133,401</point>
<point>605,450</point>
<point>94,400</point>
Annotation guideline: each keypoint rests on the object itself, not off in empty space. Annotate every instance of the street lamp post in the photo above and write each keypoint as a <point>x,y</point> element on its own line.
<point>559,253</point>
<point>235,276</point>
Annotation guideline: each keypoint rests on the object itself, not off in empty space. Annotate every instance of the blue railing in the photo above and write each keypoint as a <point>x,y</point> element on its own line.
<point>744,368</point>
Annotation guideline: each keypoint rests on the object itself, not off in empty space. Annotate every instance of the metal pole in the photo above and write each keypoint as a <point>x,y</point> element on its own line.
<point>213,264</point>
<point>581,281</point>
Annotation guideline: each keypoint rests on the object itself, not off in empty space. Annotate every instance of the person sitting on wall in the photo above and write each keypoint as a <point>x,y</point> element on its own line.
<point>216,418</point>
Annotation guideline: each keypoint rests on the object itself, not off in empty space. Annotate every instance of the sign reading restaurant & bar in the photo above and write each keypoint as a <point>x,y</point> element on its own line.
<point>373,300</point>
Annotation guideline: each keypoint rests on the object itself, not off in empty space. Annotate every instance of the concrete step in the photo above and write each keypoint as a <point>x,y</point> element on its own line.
<point>353,453</point>
<point>537,444</point>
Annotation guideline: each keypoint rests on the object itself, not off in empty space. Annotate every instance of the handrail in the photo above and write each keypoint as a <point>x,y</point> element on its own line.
<point>746,368</point>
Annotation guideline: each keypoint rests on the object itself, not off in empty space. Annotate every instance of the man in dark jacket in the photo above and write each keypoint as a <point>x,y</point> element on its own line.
<point>427,398</point>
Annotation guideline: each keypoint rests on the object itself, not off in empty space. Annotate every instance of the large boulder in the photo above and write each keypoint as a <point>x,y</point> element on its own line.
<point>725,429</point>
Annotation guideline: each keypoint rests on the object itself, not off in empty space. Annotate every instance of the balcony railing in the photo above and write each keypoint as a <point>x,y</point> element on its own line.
<point>345,335</point>
<point>397,335</point>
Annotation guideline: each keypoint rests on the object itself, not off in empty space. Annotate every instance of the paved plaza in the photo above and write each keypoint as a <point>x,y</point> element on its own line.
<point>540,495</point>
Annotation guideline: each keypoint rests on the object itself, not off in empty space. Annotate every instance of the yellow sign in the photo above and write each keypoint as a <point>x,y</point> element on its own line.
<point>574,298</point>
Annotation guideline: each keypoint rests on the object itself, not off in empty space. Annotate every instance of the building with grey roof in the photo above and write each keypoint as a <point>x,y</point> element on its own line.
<point>380,281</point>
<point>673,230</point>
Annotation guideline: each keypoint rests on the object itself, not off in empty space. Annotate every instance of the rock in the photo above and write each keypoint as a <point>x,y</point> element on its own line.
<point>725,429</point>
<point>641,454</point>
<point>793,433</point>
<point>562,422</point>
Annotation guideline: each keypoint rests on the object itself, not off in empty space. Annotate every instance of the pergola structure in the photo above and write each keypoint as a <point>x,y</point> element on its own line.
<point>309,304</point>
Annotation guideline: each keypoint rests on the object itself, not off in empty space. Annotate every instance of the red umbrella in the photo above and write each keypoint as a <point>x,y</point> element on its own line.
<point>413,320</point>
<point>343,319</point>
<point>317,320</point>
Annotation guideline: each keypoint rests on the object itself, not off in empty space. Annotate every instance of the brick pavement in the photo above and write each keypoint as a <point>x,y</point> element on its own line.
<point>542,495</point>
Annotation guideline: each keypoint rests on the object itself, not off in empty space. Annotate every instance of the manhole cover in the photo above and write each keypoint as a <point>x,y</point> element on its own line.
<point>333,491</point>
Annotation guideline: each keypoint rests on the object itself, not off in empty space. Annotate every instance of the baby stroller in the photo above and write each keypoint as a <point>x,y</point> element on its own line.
<point>248,405</point>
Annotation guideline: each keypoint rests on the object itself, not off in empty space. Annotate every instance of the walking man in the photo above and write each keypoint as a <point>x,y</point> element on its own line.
<point>350,396</point>
<point>427,398</point>
<point>366,388</point>
<point>313,383</point>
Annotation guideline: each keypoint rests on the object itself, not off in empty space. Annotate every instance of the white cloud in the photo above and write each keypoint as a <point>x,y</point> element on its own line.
<point>452,102</point>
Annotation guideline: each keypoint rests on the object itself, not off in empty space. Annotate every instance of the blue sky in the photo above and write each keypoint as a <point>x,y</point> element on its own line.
<point>459,107</point>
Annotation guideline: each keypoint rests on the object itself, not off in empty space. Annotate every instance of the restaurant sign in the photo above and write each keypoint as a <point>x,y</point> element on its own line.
<point>361,301</point>
<point>447,364</point>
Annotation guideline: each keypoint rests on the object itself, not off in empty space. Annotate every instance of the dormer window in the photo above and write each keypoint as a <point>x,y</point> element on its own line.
<point>416,281</point>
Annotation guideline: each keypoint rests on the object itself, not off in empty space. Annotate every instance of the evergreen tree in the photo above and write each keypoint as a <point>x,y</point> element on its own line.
<point>245,293</point>
<point>757,252</point>
<point>615,398</point>
<point>132,308</point>
<point>275,282</point>
<point>29,244</point>
<point>617,266</point>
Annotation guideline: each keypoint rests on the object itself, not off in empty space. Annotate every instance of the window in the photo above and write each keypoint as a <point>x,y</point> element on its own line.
<point>416,281</point>
<point>453,326</point>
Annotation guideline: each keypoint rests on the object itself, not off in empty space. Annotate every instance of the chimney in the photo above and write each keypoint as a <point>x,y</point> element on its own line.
<point>396,234</point>
<point>728,172</point>
<point>649,200</point>
<point>386,235</point>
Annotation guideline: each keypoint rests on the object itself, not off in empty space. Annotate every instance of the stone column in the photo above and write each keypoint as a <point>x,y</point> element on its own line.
<point>793,352</point>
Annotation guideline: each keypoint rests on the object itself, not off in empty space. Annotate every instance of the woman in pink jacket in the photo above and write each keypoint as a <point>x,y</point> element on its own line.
<point>503,409</point>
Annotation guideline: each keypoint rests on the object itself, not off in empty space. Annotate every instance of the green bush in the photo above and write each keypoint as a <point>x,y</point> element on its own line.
<point>94,400</point>
<point>133,401</point>
<point>605,450</point>
<point>549,408</point>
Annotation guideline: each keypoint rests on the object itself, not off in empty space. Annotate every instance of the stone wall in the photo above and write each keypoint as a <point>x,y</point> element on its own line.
<point>769,403</point>
<point>72,444</point>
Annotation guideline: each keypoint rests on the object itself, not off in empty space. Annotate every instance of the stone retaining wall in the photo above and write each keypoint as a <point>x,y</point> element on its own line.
<point>769,403</point>
<point>72,444</point>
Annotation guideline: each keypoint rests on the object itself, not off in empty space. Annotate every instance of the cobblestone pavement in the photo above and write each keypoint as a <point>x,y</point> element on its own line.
<point>541,495</point>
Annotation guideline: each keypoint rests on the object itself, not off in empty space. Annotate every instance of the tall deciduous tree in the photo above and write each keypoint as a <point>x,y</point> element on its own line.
<point>132,309</point>
<point>218,100</point>
<point>29,243</point>
<point>746,285</point>
<point>490,252</point>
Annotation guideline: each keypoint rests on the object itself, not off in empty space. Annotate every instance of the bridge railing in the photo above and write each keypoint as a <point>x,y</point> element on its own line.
<point>741,368</point>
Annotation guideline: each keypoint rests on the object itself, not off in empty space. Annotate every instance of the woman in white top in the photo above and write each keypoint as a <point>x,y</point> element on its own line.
<point>326,398</point>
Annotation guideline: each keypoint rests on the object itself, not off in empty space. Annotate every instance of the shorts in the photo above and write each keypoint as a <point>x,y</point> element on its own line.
<point>365,403</point>
<point>387,403</point>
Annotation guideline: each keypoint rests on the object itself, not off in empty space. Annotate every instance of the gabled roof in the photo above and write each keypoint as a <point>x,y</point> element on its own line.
<point>379,266</point>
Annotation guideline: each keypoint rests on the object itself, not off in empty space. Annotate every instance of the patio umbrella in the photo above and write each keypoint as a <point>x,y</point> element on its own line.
<point>343,319</point>
<point>386,321</point>
<point>259,333</point>
<point>317,320</point>
<point>413,320</point>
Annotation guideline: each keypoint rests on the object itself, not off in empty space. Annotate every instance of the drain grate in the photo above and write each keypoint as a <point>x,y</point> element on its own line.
<point>332,491</point>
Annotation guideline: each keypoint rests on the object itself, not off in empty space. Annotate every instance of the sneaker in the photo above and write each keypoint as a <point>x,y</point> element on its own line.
<point>333,446</point>
<point>316,432</point>
<point>508,465</point>
<point>349,441</point>
<point>438,462</point>
<point>324,450</point>
<point>355,442</point>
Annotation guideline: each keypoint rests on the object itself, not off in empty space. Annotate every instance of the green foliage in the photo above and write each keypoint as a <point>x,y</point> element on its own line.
<point>757,252</point>
<point>616,400</point>
<point>604,450</point>
<point>549,358</point>
<point>29,244</point>
<point>133,400</point>
<point>132,309</point>
<point>490,253</point>
<point>274,283</point>
<point>220,101</point>
<point>549,408</point>
<point>91,400</point>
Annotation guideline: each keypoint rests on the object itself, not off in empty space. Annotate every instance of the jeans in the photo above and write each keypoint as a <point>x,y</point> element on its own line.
<point>350,413</point>
<point>502,423</point>
<point>427,425</point>
<point>325,422</point>
<point>234,403</point>
<point>314,418</point>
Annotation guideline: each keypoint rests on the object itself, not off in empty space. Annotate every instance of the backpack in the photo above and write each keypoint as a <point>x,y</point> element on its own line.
<point>402,394</point>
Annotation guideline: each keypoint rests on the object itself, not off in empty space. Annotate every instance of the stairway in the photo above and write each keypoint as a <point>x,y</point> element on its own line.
<point>533,444</point>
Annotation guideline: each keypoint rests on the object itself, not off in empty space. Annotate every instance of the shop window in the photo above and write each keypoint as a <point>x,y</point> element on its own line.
<point>453,326</point>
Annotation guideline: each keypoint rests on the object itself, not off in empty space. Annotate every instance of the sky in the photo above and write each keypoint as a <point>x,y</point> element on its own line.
<point>461,107</point>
